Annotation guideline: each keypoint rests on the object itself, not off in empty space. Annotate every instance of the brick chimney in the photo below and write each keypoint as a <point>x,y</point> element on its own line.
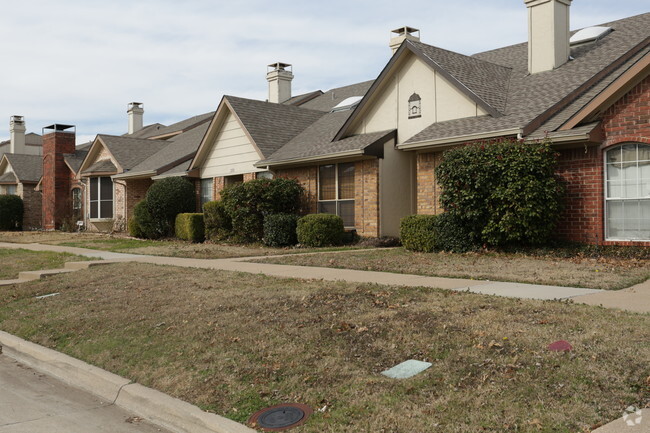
<point>136,116</point>
<point>548,34</point>
<point>279,77</point>
<point>17,135</point>
<point>401,34</point>
<point>57,141</point>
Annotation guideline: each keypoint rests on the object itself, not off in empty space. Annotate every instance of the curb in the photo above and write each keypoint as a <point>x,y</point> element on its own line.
<point>158,408</point>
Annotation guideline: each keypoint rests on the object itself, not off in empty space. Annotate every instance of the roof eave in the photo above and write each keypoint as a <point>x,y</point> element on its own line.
<point>135,175</point>
<point>458,139</point>
<point>296,161</point>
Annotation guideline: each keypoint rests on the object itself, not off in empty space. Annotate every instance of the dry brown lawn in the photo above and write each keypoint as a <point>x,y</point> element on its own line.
<point>596,273</point>
<point>19,260</point>
<point>121,243</point>
<point>234,343</point>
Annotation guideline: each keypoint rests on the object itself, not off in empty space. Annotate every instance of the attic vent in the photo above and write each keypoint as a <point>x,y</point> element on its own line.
<point>347,103</point>
<point>590,34</point>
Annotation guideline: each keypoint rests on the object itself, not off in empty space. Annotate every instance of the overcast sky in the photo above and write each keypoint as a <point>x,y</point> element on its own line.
<point>81,62</point>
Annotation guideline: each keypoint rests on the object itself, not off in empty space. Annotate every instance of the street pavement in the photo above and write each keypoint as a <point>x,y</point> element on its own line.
<point>31,402</point>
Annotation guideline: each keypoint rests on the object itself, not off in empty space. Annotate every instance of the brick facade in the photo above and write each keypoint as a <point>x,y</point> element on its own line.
<point>428,190</point>
<point>366,193</point>
<point>136,189</point>
<point>33,205</point>
<point>57,177</point>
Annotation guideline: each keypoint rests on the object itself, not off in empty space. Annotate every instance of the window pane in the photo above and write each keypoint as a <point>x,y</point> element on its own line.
<point>631,180</point>
<point>629,152</point>
<point>106,208</point>
<point>327,182</point>
<point>346,181</point>
<point>327,207</point>
<point>106,189</point>
<point>644,152</point>
<point>76,198</point>
<point>346,212</point>
<point>94,209</point>
<point>264,175</point>
<point>644,228</point>
<point>93,188</point>
<point>206,190</point>
<point>614,155</point>
<point>644,179</point>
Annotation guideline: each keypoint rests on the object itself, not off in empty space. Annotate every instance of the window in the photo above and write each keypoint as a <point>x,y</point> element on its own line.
<point>233,180</point>
<point>336,191</point>
<point>627,192</point>
<point>263,175</point>
<point>76,203</point>
<point>101,197</point>
<point>8,189</point>
<point>206,191</point>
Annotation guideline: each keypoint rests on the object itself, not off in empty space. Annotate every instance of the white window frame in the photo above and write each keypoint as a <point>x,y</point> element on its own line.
<point>608,199</point>
<point>336,188</point>
<point>10,189</point>
<point>204,197</point>
<point>99,200</point>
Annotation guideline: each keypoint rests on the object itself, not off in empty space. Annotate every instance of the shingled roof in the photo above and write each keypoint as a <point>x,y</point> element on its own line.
<point>272,125</point>
<point>532,100</point>
<point>129,152</point>
<point>27,168</point>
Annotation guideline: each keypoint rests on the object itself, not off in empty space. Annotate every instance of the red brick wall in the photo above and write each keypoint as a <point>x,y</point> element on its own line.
<point>582,170</point>
<point>628,120</point>
<point>56,178</point>
<point>136,189</point>
<point>33,201</point>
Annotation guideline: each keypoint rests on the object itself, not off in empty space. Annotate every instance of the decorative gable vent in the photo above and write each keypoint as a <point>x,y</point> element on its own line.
<point>415,108</point>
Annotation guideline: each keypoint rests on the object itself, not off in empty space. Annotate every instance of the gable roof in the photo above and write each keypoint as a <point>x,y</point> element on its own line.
<point>101,166</point>
<point>147,131</point>
<point>182,126</point>
<point>127,152</point>
<point>532,100</point>
<point>179,149</point>
<point>333,97</point>
<point>27,168</point>
<point>9,177</point>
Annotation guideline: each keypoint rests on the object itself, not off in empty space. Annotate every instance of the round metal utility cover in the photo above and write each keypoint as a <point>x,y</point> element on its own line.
<point>281,417</point>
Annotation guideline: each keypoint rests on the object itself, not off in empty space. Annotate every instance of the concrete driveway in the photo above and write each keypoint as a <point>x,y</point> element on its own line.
<point>31,402</point>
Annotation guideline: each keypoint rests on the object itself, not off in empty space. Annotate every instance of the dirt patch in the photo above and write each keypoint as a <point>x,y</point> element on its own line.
<point>234,343</point>
<point>596,273</point>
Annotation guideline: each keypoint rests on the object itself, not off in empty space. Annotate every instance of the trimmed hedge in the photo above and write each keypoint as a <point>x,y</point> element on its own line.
<point>218,226</point>
<point>167,198</point>
<point>280,230</point>
<point>418,232</point>
<point>503,192</point>
<point>452,235</point>
<point>11,212</point>
<point>320,230</point>
<point>248,203</point>
<point>190,227</point>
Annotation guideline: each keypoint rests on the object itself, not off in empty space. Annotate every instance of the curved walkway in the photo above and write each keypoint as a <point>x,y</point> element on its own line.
<point>636,298</point>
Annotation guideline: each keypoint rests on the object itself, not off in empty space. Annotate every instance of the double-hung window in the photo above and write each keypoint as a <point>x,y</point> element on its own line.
<point>206,191</point>
<point>627,192</point>
<point>101,197</point>
<point>336,191</point>
<point>76,203</point>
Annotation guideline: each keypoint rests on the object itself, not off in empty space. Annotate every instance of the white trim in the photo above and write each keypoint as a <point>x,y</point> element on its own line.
<point>99,199</point>
<point>458,139</point>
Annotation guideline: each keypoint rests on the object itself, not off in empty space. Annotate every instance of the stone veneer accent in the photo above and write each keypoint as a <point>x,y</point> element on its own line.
<point>428,190</point>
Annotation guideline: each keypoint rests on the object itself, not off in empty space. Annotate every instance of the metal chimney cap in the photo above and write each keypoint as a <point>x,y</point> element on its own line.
<point>58,127</point>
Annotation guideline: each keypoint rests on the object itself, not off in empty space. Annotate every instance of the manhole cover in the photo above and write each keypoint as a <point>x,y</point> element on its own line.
<point>281,417</point>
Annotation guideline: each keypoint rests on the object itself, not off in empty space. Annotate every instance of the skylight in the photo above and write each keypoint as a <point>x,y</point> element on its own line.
<point>347,103</point>
<point>589,34</point>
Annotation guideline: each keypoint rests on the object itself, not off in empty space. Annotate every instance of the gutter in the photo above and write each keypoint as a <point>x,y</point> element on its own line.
<point>458,139</point>
<point>349,153</point>
<point>139,174</point>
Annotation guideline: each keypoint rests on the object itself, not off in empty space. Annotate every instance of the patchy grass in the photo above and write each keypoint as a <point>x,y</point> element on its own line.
<point>121,243</point>
<point>15,261</point>
<point>609,273</point>
<point>234,343</point>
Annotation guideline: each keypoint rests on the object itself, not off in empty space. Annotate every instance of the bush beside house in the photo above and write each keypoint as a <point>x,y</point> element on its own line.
<point>502,192</point>
<point>190,227</point>
<point>11,212</point>
<point>218,226</point>
<point>280,230</point>
<point>248,203</point>
<point>320,230</point>
<point>418,232</point>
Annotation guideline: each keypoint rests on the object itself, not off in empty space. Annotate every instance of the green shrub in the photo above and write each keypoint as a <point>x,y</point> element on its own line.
<point>11,212</point>
<point>418,232</point>
<point>189,227</point>
<point>280,230</point>
<point>502,192</point>
<point>218,226</point>
<point>248,203</point>
<point>167,198</point>
<point>144,225</point>
<point>452,235</point>
<point>320,230</point>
